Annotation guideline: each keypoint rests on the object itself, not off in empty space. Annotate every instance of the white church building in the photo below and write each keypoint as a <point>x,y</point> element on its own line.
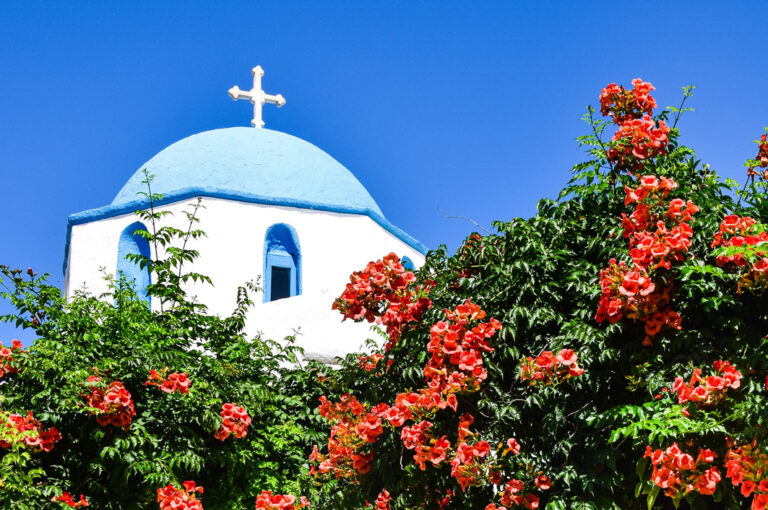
<point>276,208</point>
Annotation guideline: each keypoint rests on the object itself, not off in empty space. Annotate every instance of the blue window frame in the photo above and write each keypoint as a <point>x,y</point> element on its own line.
<point>407,263</point>
<point>131,243</point>
<point>282,263</point>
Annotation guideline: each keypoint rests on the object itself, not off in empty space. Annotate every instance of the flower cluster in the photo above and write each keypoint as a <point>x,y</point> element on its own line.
<point>630,293</point>
<point>457,346</point>
<point>745,241</point>
<point>7,363</point>
<point>384,292</point>
<point>548,368</point>
<point>234,421</point>
<point>474,462</point>
<point>747,466</point>
<point>368,363</point>
<point>173,498</point>
<point>637,140</point>
<point>622,104</point>
<point>672,235</point>
<point>678,473</point>
<point>467,465</point>
<point>514,494</point>
<point>709,391</point>
<point>445,500</point>
<point>659,233</point>
<point>268,501</point>
<point>738,231</point>
<point>761,160</point>
<point>382,500</point>
<point>26,430</point>
<point>353,429</point>
<point>174,381</point>
<point>69,500</point>
<point>455,367</point>
<point>112,404</point>
<point>639,137</point>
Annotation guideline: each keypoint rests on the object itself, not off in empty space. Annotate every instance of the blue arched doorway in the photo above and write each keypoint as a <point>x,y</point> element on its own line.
<point>282,263</point>
<point>131,243</point>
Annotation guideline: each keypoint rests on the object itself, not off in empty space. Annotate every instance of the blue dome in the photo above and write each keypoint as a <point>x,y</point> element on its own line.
<point>250,165</point>
<point>255,165</point>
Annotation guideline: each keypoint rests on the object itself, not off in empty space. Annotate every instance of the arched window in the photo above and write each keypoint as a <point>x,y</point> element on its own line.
<point>407,263</point>
<point>131,243</point>
<point>282,263</point>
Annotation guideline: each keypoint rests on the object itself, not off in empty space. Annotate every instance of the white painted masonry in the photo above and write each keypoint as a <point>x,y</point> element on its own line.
<point>332,246</point>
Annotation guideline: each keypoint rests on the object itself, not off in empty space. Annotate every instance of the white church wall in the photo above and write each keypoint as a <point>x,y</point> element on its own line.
<point>332,245</point>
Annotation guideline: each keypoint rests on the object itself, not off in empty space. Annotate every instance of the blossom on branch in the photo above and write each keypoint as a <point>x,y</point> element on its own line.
<point>385,293</point>
<point>268,501</point>
<point>112,404</point>
<point>173,498</point>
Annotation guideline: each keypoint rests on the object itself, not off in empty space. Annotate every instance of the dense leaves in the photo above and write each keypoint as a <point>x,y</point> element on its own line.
<point>540,277</point>
<point>144,400</point>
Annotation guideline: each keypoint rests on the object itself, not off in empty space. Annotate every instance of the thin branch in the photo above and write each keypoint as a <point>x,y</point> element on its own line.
<point>153,221</point>
<point>465,219</point>
<point>577,410</point>
<point>612,170</point>
<point>592,124</point>
<point>744,190</point>
<point>192,219</point>
<point>680,110</point>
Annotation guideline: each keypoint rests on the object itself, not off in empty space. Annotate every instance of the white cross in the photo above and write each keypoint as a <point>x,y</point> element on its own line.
<point>256,96</point>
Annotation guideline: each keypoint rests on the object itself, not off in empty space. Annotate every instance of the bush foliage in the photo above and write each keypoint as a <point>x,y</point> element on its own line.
<point>541,278</point>
<point>171,437</point>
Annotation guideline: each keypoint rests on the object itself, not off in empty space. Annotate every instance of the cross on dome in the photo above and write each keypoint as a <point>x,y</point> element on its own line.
<point>256,96</point>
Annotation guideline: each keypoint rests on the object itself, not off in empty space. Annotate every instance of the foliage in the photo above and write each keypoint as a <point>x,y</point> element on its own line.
<point>190,377</point>
<point>541,279</point>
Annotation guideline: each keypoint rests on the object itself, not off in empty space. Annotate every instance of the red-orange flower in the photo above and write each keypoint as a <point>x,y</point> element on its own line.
<point>69,500</point>
<point>235,421</point>
<point>173,498</point>
<point>268,501</point>
<point>384,292</point>
<point>112,404</point>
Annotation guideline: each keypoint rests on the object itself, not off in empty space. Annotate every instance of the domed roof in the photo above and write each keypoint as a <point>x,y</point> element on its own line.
<point>255,165</point>
<point>250,165</point>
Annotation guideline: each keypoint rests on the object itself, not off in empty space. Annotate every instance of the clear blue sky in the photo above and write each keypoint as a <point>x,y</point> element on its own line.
<point>469,108</point>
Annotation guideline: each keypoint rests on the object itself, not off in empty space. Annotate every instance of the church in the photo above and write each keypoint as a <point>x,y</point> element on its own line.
<point>275,208</point>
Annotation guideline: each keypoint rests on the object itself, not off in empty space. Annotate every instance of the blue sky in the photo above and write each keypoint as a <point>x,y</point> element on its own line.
<point>439,108</point>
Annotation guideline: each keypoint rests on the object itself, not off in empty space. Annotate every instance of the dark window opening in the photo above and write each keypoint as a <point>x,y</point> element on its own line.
<point>282,263</point>
<point>280,283</point>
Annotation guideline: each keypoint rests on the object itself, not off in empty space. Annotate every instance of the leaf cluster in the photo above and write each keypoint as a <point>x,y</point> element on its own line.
<point>118,336</point>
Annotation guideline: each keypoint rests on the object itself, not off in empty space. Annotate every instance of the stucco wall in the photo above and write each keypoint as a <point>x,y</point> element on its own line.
<point>332,246</point>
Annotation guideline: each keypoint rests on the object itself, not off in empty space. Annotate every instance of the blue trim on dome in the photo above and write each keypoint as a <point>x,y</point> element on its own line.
<point>110,211</point>
<point>260,162</point>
